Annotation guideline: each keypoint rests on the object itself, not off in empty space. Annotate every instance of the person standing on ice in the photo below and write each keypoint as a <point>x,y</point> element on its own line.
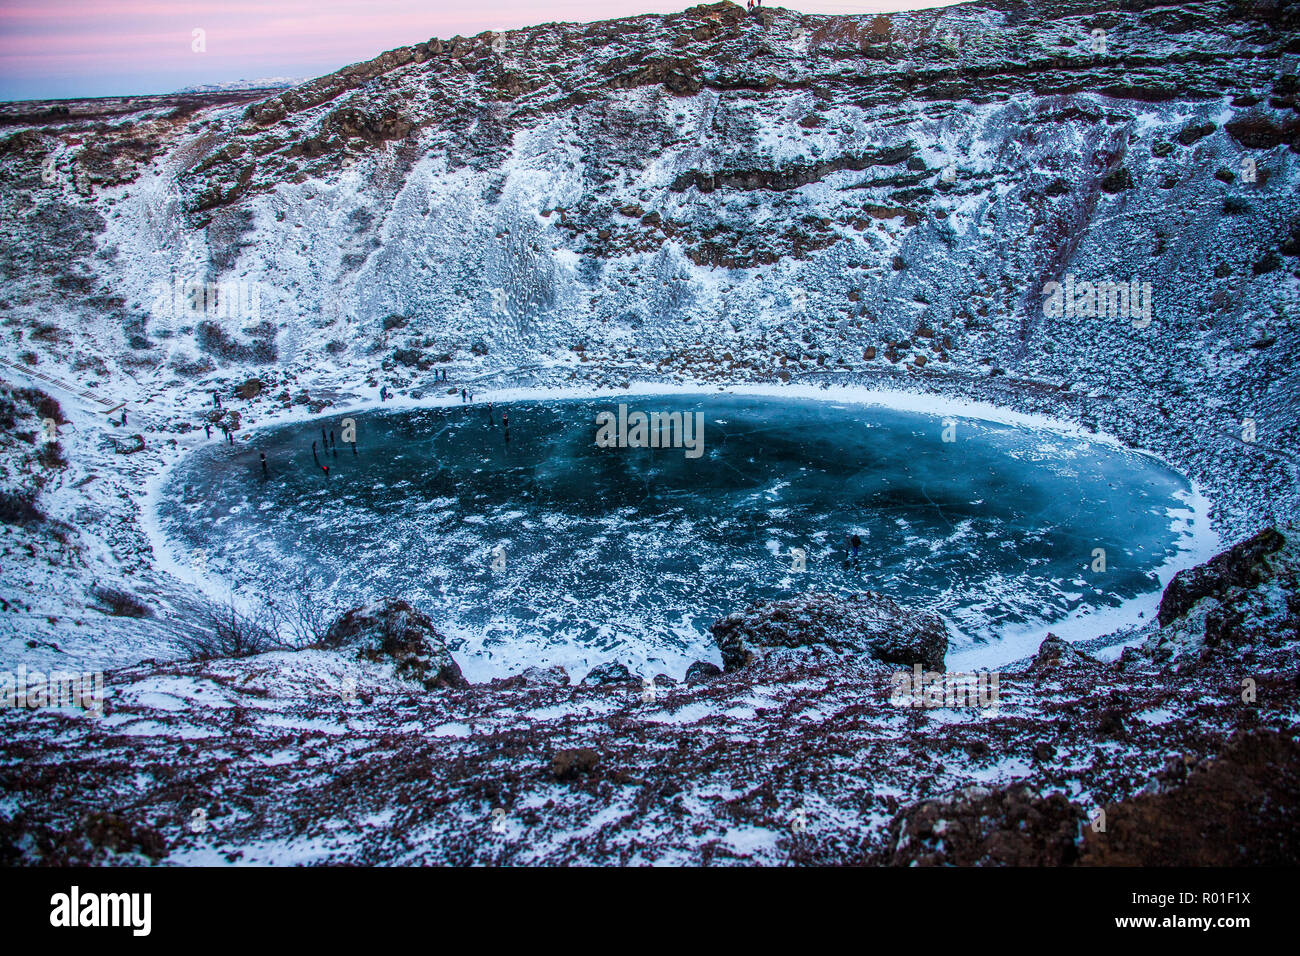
<point>462,396</point>
<point>313,453</point>
<point>854,544</point>
<point>263,456</point>
<point>505,420</point>
<point>207,429</point>
<point>491,420</point>
<point>383,393</point>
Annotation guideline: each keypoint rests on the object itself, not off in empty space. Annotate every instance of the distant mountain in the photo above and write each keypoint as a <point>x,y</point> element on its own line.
<point>265,83</point>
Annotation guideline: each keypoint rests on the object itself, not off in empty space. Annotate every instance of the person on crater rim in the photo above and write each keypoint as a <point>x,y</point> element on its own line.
<point>463,393</point>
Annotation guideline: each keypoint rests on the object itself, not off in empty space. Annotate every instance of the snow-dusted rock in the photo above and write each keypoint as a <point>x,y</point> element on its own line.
<point>867,624</point>
<point>611,672</point>
<point>1055,653</point>
<point>702,670</point>
<point>535,677</point>
<point>123,444</point>
<point>390,629</point>
<point>1240,566</point>
<point>975,826</point>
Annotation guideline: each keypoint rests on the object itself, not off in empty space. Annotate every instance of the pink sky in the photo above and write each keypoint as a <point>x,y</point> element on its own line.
<point>68,48</point>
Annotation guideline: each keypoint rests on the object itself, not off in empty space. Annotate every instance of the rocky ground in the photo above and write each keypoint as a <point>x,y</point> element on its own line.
<point>372,749</point>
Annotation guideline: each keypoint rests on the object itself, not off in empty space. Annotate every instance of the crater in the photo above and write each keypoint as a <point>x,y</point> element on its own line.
<point>536,545</point>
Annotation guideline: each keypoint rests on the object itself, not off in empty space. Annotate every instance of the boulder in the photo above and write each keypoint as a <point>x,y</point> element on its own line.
<point>251,388</point>
<point>129,445</point>
<point>568,764</point>
<point>390,629</point>
<point>1054,654</point>
<point>866,623</point>
<point>534,677</point>
<point>1241,566</point>
<point>611,672</point>
<point>702,670</point>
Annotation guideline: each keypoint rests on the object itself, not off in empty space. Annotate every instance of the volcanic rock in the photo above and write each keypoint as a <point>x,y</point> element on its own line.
<point>1238,567</point>
<point>611,672</point>
<point>867,624</point>
<point>390,629</point>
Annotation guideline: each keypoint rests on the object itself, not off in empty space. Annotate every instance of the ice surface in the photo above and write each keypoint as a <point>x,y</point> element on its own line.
<point>545,548</point>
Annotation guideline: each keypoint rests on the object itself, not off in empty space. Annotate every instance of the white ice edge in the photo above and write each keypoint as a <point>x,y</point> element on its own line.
<point>1196,545</point>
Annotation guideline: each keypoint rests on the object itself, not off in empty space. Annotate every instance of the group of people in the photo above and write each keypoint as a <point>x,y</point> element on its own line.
<point>328,442</point>
<point>752,5</point>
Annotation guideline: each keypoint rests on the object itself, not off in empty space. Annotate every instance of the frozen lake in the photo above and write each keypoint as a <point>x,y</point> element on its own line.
<point>546,548</point>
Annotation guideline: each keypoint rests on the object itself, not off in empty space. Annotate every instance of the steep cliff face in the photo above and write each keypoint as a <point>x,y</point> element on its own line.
<point>716,195</point>
<point>712,196</point>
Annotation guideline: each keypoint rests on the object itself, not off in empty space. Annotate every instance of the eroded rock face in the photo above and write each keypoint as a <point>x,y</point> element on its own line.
<point>868,624</point>
<point>1238,567</point>
<point>390,629</point>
